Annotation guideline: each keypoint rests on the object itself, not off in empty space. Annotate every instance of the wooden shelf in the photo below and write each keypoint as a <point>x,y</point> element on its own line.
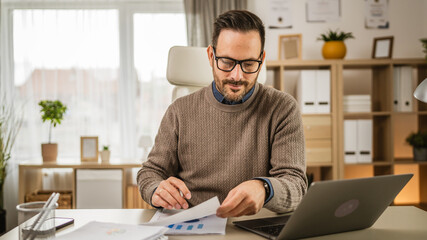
<point>409,161</point>
<point>319,164</point>
<point>30,175</point>
<point>365,114</point>
<point>91,165</point>
<point>316,115</point>
<point>299,64</point>
<point>386,122</point>
<point>370,164</point>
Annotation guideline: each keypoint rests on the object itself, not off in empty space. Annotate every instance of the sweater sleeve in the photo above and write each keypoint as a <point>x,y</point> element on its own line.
<point>162,162</point>
<point>287,160</point>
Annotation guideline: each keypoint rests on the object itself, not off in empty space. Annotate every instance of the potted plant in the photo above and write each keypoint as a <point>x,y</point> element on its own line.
<point>334,47</point>
<point>105,154</point>
<point>419,143</point>
<point>9,128</point>
<point>52,111</point>
<point>424,42</point>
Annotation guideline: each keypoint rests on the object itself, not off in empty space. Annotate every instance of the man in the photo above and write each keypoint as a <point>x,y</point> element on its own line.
<point>235,139</point>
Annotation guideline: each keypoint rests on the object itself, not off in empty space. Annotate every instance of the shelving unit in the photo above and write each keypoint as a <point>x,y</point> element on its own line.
<point>320,129</point>
<point>30,177</point>
<point>390,154</point>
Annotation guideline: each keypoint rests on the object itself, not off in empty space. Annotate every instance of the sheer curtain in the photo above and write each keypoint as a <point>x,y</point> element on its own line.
<point>72,56</point>
<point>105,60</point>
<point>201,15</point>
<point>151,54</point>
<point>69,55</point>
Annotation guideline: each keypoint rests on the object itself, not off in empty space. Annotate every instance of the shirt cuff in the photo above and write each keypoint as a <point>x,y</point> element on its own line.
<point>269,185</point>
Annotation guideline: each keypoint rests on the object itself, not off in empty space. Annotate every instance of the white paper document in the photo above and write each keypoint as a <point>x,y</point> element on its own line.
<point>114,231</point>
<point>200,219</point>
<point>205,225</point>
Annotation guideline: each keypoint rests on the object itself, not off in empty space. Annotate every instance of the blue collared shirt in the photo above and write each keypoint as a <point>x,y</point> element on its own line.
<point>220,98</point>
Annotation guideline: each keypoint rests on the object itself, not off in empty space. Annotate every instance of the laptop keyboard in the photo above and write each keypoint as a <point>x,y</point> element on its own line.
<point>272,230</point>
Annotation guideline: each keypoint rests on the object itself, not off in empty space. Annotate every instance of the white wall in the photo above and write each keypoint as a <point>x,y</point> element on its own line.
<point>408,23</point>
<point>424,25</point>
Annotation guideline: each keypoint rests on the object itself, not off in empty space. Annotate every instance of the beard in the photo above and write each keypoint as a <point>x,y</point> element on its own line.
<point>233,95</point>
<point>230,94</point>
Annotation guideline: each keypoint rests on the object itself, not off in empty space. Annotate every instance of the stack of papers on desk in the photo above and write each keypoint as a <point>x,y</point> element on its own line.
<point>114,231</point>
<point>200,219</point>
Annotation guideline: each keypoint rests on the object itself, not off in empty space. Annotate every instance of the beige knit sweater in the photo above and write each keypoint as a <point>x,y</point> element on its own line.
<point>213,147</point>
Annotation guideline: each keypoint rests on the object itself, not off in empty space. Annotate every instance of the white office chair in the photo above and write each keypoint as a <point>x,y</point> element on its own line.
<point>189,70</point>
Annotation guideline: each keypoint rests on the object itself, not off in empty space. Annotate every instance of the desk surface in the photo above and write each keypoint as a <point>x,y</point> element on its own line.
<point>397,222</point>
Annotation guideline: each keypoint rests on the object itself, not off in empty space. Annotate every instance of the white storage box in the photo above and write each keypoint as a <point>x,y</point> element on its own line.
<point>99,189</point>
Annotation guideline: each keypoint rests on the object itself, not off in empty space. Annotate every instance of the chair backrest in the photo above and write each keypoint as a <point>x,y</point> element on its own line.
<point>189,70</point>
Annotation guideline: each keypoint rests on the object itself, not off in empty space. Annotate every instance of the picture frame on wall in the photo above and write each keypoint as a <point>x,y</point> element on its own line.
<point>89,149</point>
<point>383,47</point>
<point>290,47</point>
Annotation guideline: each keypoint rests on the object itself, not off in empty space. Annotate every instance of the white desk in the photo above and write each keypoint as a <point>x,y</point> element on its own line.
<point>396,223</point>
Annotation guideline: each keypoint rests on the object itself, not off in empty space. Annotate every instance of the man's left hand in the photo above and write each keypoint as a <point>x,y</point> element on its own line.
<point>245,199</point>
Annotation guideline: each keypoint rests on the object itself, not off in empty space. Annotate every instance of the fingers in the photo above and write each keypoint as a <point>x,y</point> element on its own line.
<point>179,184</point>
<point>237,206</point>
<point>246,207</point>
<point>168,194</point>
<point>245,199</point>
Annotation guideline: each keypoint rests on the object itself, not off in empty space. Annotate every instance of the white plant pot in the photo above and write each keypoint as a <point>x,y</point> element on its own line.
<point>105,156</point>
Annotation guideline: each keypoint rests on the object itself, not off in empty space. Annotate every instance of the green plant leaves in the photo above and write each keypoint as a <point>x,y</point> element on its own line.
<point>52,111</point>
<point>424,42</point>
<point>335,36</point>
<point>417,140</point>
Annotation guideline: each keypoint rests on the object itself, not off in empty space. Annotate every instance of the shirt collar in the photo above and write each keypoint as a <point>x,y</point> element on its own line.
<point>218,96</point>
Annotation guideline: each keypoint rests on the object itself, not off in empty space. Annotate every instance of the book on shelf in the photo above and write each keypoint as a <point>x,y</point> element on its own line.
<point>357,103</point>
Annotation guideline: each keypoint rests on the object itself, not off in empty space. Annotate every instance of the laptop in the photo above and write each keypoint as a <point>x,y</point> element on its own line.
<point>332,207</point>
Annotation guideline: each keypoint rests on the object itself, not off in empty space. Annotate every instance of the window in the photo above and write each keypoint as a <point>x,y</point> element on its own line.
<point>151,52</point>
<point>80,55</point>
<point>71,55</point>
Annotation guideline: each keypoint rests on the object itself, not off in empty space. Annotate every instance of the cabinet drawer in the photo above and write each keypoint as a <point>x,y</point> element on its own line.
<point>317,127</point>
<point>318,151</point>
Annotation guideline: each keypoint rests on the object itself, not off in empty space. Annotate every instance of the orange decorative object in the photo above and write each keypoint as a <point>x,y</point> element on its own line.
<point>334,50</point>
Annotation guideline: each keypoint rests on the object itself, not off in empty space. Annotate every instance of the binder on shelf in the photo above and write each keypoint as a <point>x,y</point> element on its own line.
<point>350,141</point>
<point>402,89</point>
<point>323,91</point>
<point>314,91</point>
<point>307,91</point>
<point>364,141</point>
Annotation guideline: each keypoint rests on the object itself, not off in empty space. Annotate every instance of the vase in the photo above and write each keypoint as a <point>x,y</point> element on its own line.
<point>420,154</point>
<point>334,50</point>
<point>105,156</point>
<point>49,152</point>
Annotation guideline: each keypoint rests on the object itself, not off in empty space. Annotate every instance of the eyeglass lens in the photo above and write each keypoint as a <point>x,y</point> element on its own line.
<point>248,66</point>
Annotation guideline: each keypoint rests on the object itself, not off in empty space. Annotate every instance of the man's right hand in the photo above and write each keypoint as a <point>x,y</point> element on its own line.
<point>167,194</point>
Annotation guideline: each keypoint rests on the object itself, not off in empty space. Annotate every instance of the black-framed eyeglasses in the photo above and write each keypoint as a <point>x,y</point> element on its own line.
<point>227,64</point>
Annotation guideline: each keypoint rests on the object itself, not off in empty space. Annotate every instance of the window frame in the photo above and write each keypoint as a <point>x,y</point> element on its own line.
<point>126,11</point>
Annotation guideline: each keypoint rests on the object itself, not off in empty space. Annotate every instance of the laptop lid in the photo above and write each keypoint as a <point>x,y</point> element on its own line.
<point>342,205</point>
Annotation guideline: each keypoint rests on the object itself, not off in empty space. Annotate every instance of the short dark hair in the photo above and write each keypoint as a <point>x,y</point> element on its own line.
<point>239,20</point>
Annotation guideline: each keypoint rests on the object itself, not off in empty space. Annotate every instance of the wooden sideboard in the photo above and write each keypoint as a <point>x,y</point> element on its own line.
<point>30,176</point>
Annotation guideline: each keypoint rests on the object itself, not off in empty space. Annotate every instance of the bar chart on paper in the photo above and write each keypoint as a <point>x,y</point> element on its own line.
<point>206,225</point>
<point>188,227</point>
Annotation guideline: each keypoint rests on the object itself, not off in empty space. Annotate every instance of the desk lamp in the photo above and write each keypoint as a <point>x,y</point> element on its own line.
<point>421,91</point>
<point>145,143</point>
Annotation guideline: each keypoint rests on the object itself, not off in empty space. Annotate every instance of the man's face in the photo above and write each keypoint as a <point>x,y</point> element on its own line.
<point>239,46</point>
